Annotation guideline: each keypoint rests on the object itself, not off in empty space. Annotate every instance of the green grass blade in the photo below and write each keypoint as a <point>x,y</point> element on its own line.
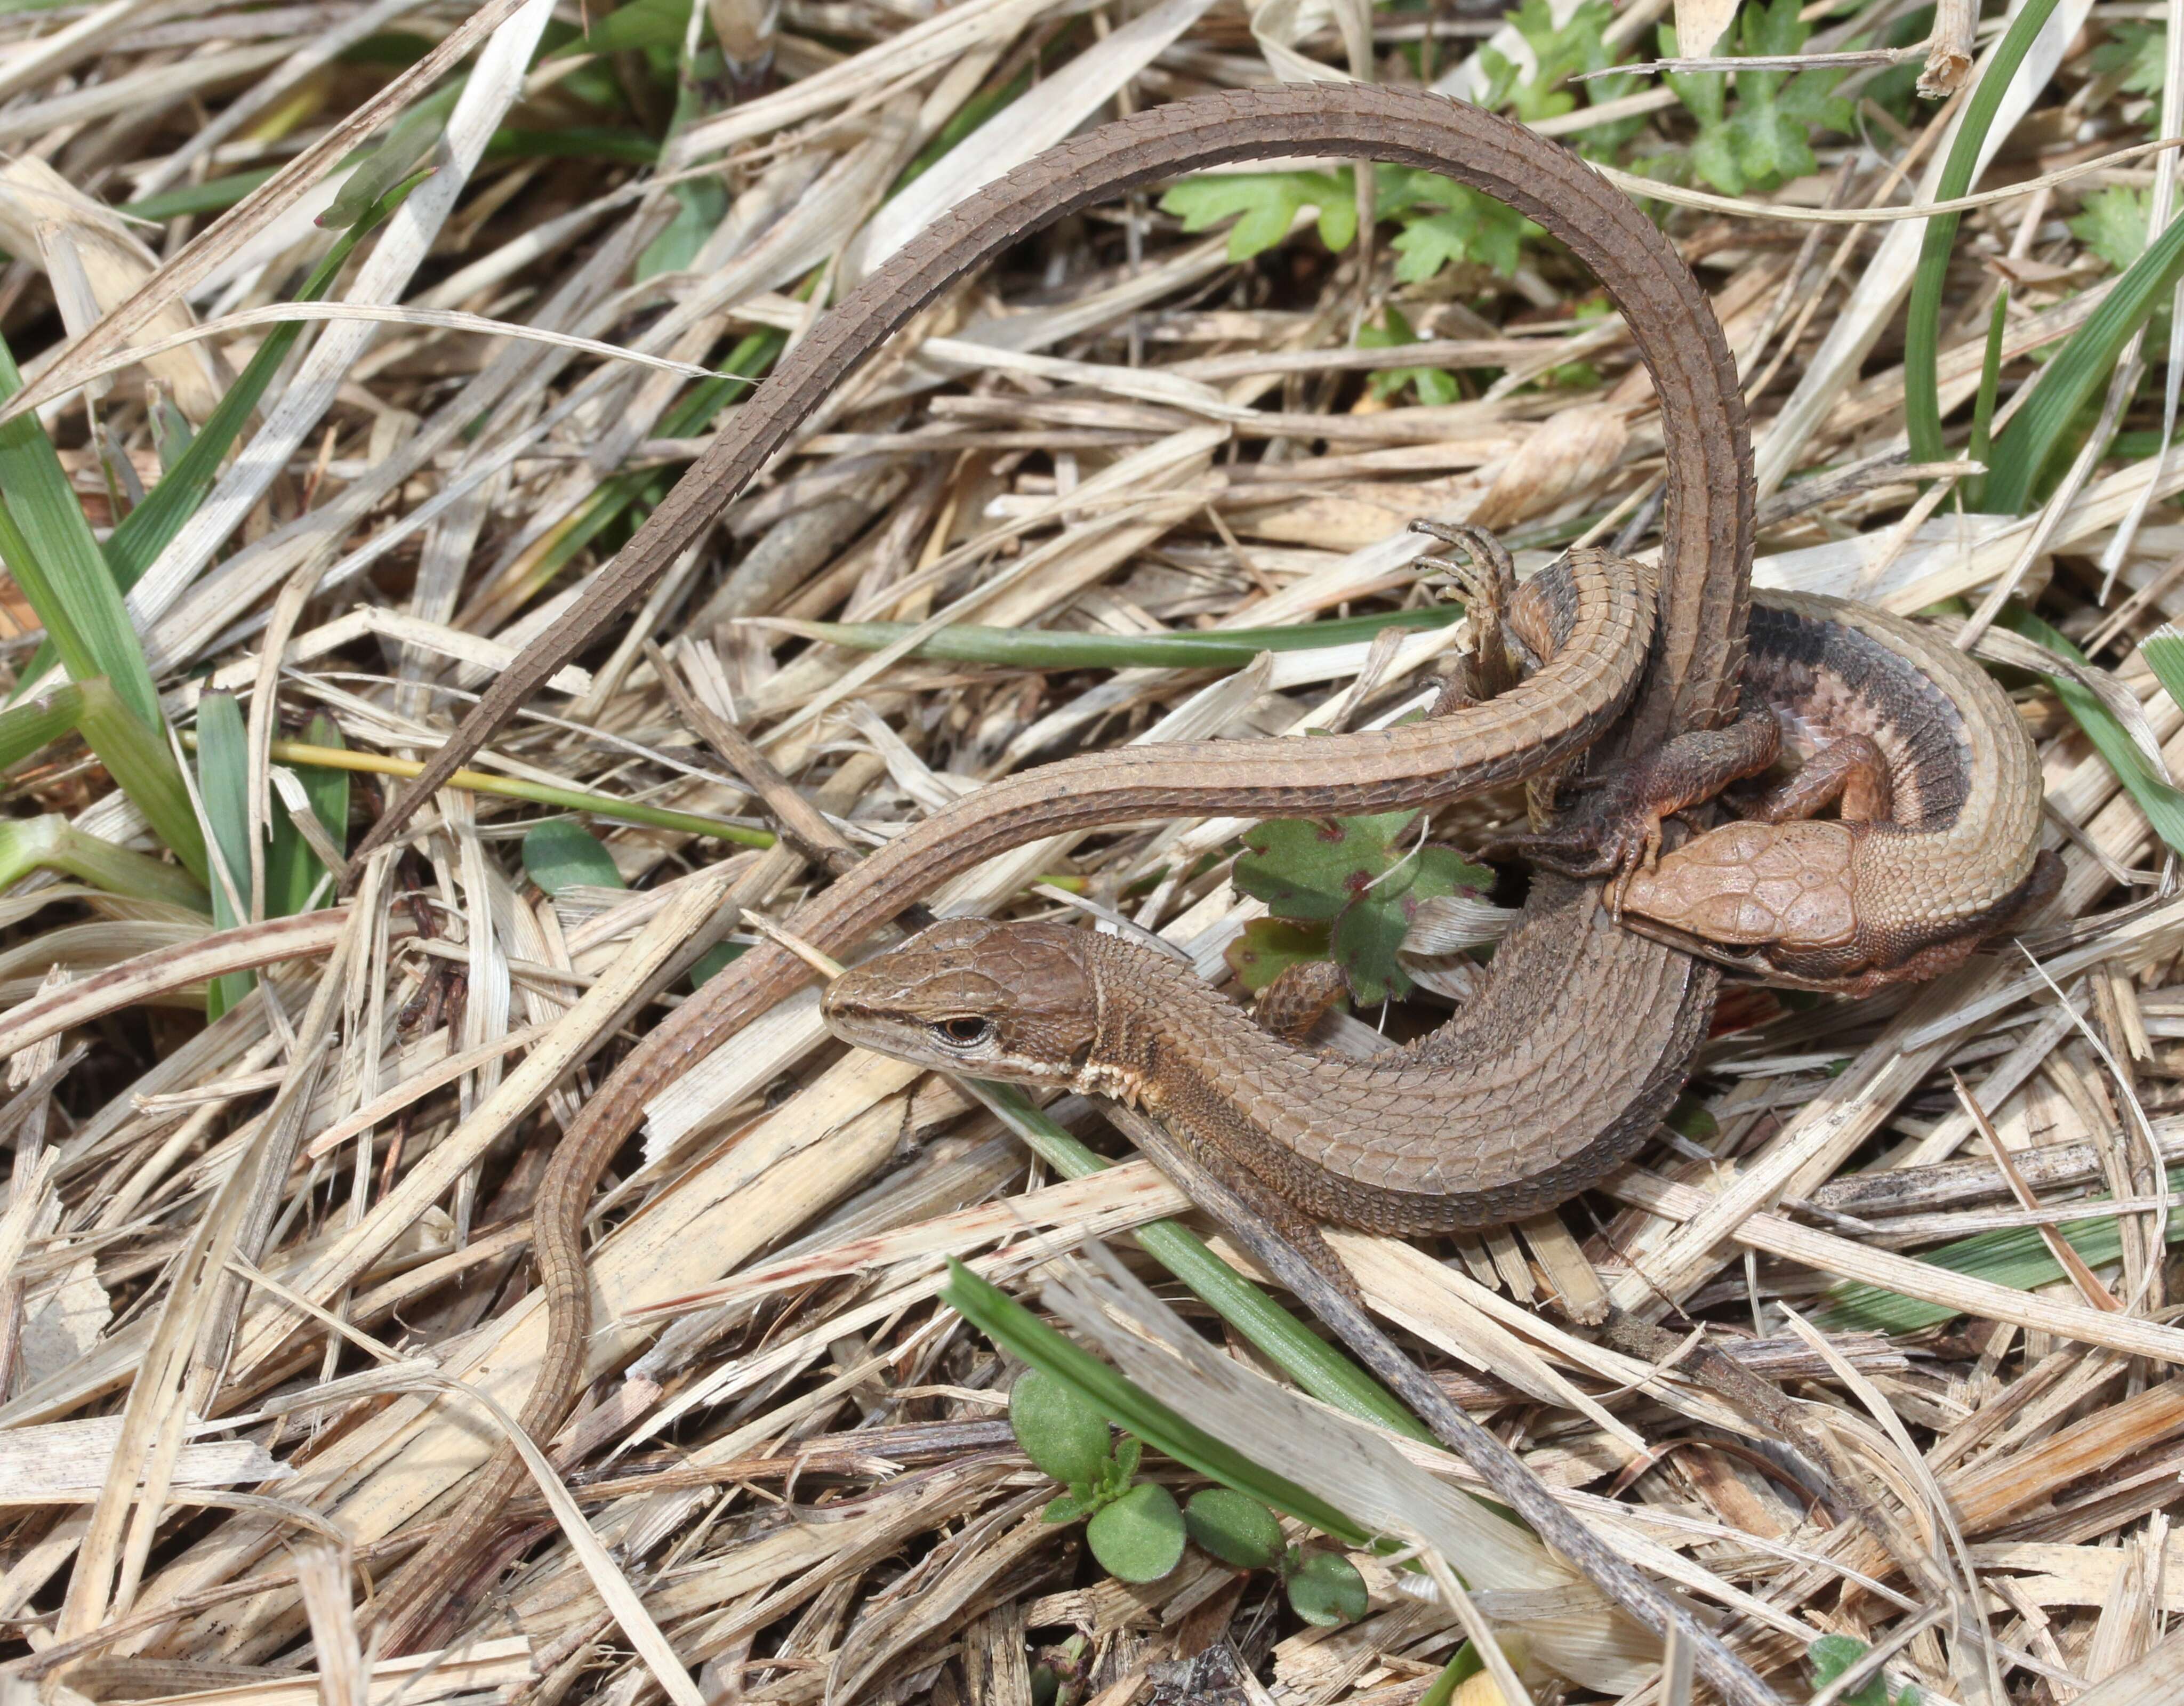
<point>2016,1257</point>
<point>1041,648</point>
<point>136,543</point>
<point>1301,1354</point>
<point>1922,391</point>
<point>224,787</point>
<point>293,871</point>
<point>52,843</point>
<point>1982,444</point>
<point>2050,419</point>
<point>2162,804</point>
<point>138,761</point>
<point>1009,1324</point>
<point>49,548</point>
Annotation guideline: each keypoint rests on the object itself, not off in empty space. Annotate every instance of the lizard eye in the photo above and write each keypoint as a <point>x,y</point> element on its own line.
<point>966,1032</point>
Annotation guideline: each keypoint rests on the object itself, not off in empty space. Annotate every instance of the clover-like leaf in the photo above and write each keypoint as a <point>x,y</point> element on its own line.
<point>1326,1590</point>
<point>1308,870</point>
<point>1371,929</point>
<point>1140,1536</point>
<point>1058,1428</point>
<point>1234,1527</point>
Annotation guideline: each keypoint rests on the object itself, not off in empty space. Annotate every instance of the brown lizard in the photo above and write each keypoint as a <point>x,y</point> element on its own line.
<point>1432,1137</point>
<point>1937,846</point>
<point>1584,1030</point>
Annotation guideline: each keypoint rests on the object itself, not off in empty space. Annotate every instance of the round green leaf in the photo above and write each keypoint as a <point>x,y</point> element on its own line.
<point>1327,1590</point>
<point>560,855</point>
<point>1140,1536</point>
<point>1234,1527</point>
<point>1058,1428</point>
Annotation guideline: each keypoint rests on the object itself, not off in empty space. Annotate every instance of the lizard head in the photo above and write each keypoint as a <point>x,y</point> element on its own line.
<point>1012,1001</point>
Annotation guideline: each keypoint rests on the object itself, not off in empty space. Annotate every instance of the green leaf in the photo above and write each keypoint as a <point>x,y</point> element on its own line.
<point>1299,1352</point>
<point>408,139</point>
<point>1016,1330</point>
<point>1066,1508</point>
<point>1326,1591</point>
<point>1435,384</point>
<point>2114,224</point>
<point>1831,1655</point>
<point>1362,875</point>
<point>1129,1453</point>
<point>559,854</point>
<point>1269,946</point>
<point>2138,55</point>
<point>224,787</point>
<point>1370,930</point>
<point>1235,1528</point>
<point>1060,1429</point>
<point>1138,1538</point>
<point>1308,871</point>
<point>639,24</point>
<point>2045,427</point>
<point>1264,205</point>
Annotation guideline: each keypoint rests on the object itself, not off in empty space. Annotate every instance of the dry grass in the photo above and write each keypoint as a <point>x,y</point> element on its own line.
<point>241,1261</point>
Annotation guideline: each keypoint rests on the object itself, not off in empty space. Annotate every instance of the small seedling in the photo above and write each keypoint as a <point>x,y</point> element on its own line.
<point>1135,1528</point>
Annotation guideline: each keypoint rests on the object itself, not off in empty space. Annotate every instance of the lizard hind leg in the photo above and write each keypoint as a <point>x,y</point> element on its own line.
<point>1849,771</point>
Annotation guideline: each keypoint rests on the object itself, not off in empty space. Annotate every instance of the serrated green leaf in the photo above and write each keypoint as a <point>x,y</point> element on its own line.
<point>1326,1591</point>
<point>560,854</point>
<point>1372,927</point>
<point>1128,1454</point>
<point>1140,1537</point>
<point>2137,54</point>
<point>1235,1528</point>
<point>1060,1431</point>
<point>2112,224</point>
<point>1264,205</point>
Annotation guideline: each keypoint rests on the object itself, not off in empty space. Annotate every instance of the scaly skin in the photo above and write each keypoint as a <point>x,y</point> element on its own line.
<point>1936,850</point>
<point>1590,1028</point>
<point>1945,849</point>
